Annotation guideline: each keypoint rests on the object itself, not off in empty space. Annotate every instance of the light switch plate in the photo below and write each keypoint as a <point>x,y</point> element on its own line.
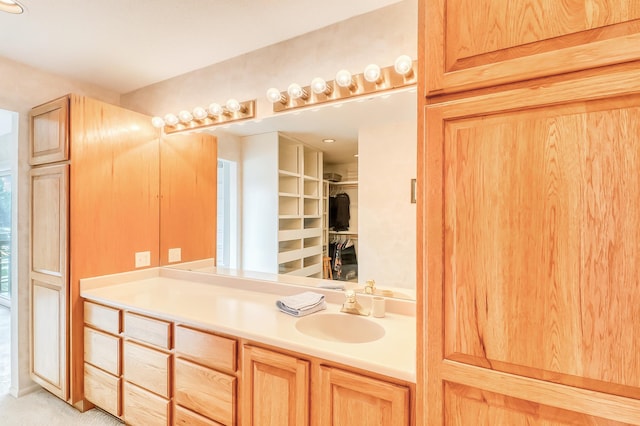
<point>175,254</point>
<point>143,258</point>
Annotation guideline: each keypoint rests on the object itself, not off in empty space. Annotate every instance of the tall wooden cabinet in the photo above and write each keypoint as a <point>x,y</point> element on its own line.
<point>529,213</point>
<point>94,203</point>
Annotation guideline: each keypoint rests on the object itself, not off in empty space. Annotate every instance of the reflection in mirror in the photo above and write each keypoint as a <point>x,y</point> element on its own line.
<point>312,208</point>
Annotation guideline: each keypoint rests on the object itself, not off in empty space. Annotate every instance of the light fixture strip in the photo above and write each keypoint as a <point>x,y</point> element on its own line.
<point>247,111</point>
<point>389,80</point>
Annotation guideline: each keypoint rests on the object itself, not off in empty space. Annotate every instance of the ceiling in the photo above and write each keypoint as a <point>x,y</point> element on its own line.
<point>123,45</point>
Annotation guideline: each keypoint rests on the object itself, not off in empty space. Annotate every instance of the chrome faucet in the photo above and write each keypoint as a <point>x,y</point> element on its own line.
<point>351,305</point>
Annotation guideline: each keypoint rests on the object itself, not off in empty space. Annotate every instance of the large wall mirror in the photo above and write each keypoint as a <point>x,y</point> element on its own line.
<point>279,214</point>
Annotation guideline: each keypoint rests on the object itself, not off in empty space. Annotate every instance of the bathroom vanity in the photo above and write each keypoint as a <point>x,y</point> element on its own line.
<point>165,346</point>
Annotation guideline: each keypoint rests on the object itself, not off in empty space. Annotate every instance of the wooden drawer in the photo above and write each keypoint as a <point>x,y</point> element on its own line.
<point>205,348</point>
<point>147,330</point>
<point>184,417</point>
<point>102,317</point>
<point>102,350</point>
<point>147,368</point>
<point>205,391</point>
<point>144,408</point>
<point>103,389</point>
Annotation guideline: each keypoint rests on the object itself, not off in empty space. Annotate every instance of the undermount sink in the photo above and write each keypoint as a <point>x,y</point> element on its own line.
<point>340,328</point>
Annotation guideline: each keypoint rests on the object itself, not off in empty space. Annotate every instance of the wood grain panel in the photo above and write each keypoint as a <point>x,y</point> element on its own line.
<point>49,135</point>
<point>142,408</point>
<point>147,330</point>
<point>102,317</point>
<point>284,378</point>
<point>103,389</point>
<point>205,391</point>
<point>184,417</point>
<point>147,368</point>
<point>102,350</point>
<point>542,245</point>
<point>48,337</point>
<point>189,176</point>
<point>353,400</point>
<point>481,43</point>
<point>205,348</point>
<point>114,201</point>
<point>466,405</point>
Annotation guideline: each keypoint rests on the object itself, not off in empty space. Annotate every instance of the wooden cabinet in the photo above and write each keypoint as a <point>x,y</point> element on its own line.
<point>530,228</point>
<point>276,388</point>
<point>147,370</point>
<point>351,399</point>
<point>103,357</point>
<point>49,132</point>
<point>471,43</point>
<point>94,204</point>
<point>205,381</point>
<point>49,272</point>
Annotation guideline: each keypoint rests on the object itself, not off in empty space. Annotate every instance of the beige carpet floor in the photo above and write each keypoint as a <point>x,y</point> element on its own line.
<point>38,408</point>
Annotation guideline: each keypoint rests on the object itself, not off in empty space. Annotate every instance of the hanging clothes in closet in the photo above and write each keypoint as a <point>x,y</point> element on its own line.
<point>339,208</point>
<point>344,261</point>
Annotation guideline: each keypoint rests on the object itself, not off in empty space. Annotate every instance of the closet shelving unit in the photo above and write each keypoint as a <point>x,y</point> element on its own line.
<point>300,196</point>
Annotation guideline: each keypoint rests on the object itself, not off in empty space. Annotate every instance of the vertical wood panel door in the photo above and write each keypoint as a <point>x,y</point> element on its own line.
<point>348,399</point>
<point>49,132</point>
<point>49,278</point>
<point>533,257</point>
<point>275,389</point>
<point>480,43</point>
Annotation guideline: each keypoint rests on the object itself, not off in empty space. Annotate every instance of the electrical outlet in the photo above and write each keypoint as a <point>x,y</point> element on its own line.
<point>175,254</point>
<point>143,258</point>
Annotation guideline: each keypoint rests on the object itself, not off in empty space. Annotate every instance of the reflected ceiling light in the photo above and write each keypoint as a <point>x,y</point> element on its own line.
<point>171,119</point>
<point>373,74</point>
<point>200,118</point>
<point>295,91</point>
<point>328,140</point>
<point>185,116</point>
<point>157,122</point>
<point>403,65</point>
<point>320,86</point>
<point>275,96</point>
<point>200,113</point>
<point>11,6</point>
<point>345,79</point>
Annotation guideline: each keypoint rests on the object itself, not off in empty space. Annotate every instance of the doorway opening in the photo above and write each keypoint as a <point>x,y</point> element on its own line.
<point>227,220</point>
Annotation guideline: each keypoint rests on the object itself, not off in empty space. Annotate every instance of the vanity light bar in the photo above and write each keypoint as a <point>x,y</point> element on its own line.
<point>202,118</point>
<point>346,85</point>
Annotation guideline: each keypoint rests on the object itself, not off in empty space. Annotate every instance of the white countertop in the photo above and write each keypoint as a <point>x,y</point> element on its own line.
<point>253,315</point>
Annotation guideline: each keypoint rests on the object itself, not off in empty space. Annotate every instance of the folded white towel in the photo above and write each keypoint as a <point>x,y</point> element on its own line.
<point>302,304</point>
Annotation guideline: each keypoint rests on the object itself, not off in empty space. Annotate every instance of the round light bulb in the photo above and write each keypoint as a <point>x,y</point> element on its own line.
<point>274,95</point>
<point>157,122</point>
<point>233,105</point>
<point>319,85</point>
<point>343,78</point>
<point>403,64</point>
<point>215,109</point>
<point>372,73</point>
<point>295,91</point>
<point>171,119</point>
<point>185,116</point>
<point>199,113</point>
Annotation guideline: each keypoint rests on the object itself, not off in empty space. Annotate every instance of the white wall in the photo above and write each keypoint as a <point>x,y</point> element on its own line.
<point>387,162</point>
<point>21,88</point>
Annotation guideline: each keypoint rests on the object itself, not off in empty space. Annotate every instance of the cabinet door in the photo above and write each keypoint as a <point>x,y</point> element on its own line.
<point>533,256</point>
<point>49,278</point>
<point>480,43</point>
<point>350,399</point>
<point>49,132</point>
<point>275,389</point>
